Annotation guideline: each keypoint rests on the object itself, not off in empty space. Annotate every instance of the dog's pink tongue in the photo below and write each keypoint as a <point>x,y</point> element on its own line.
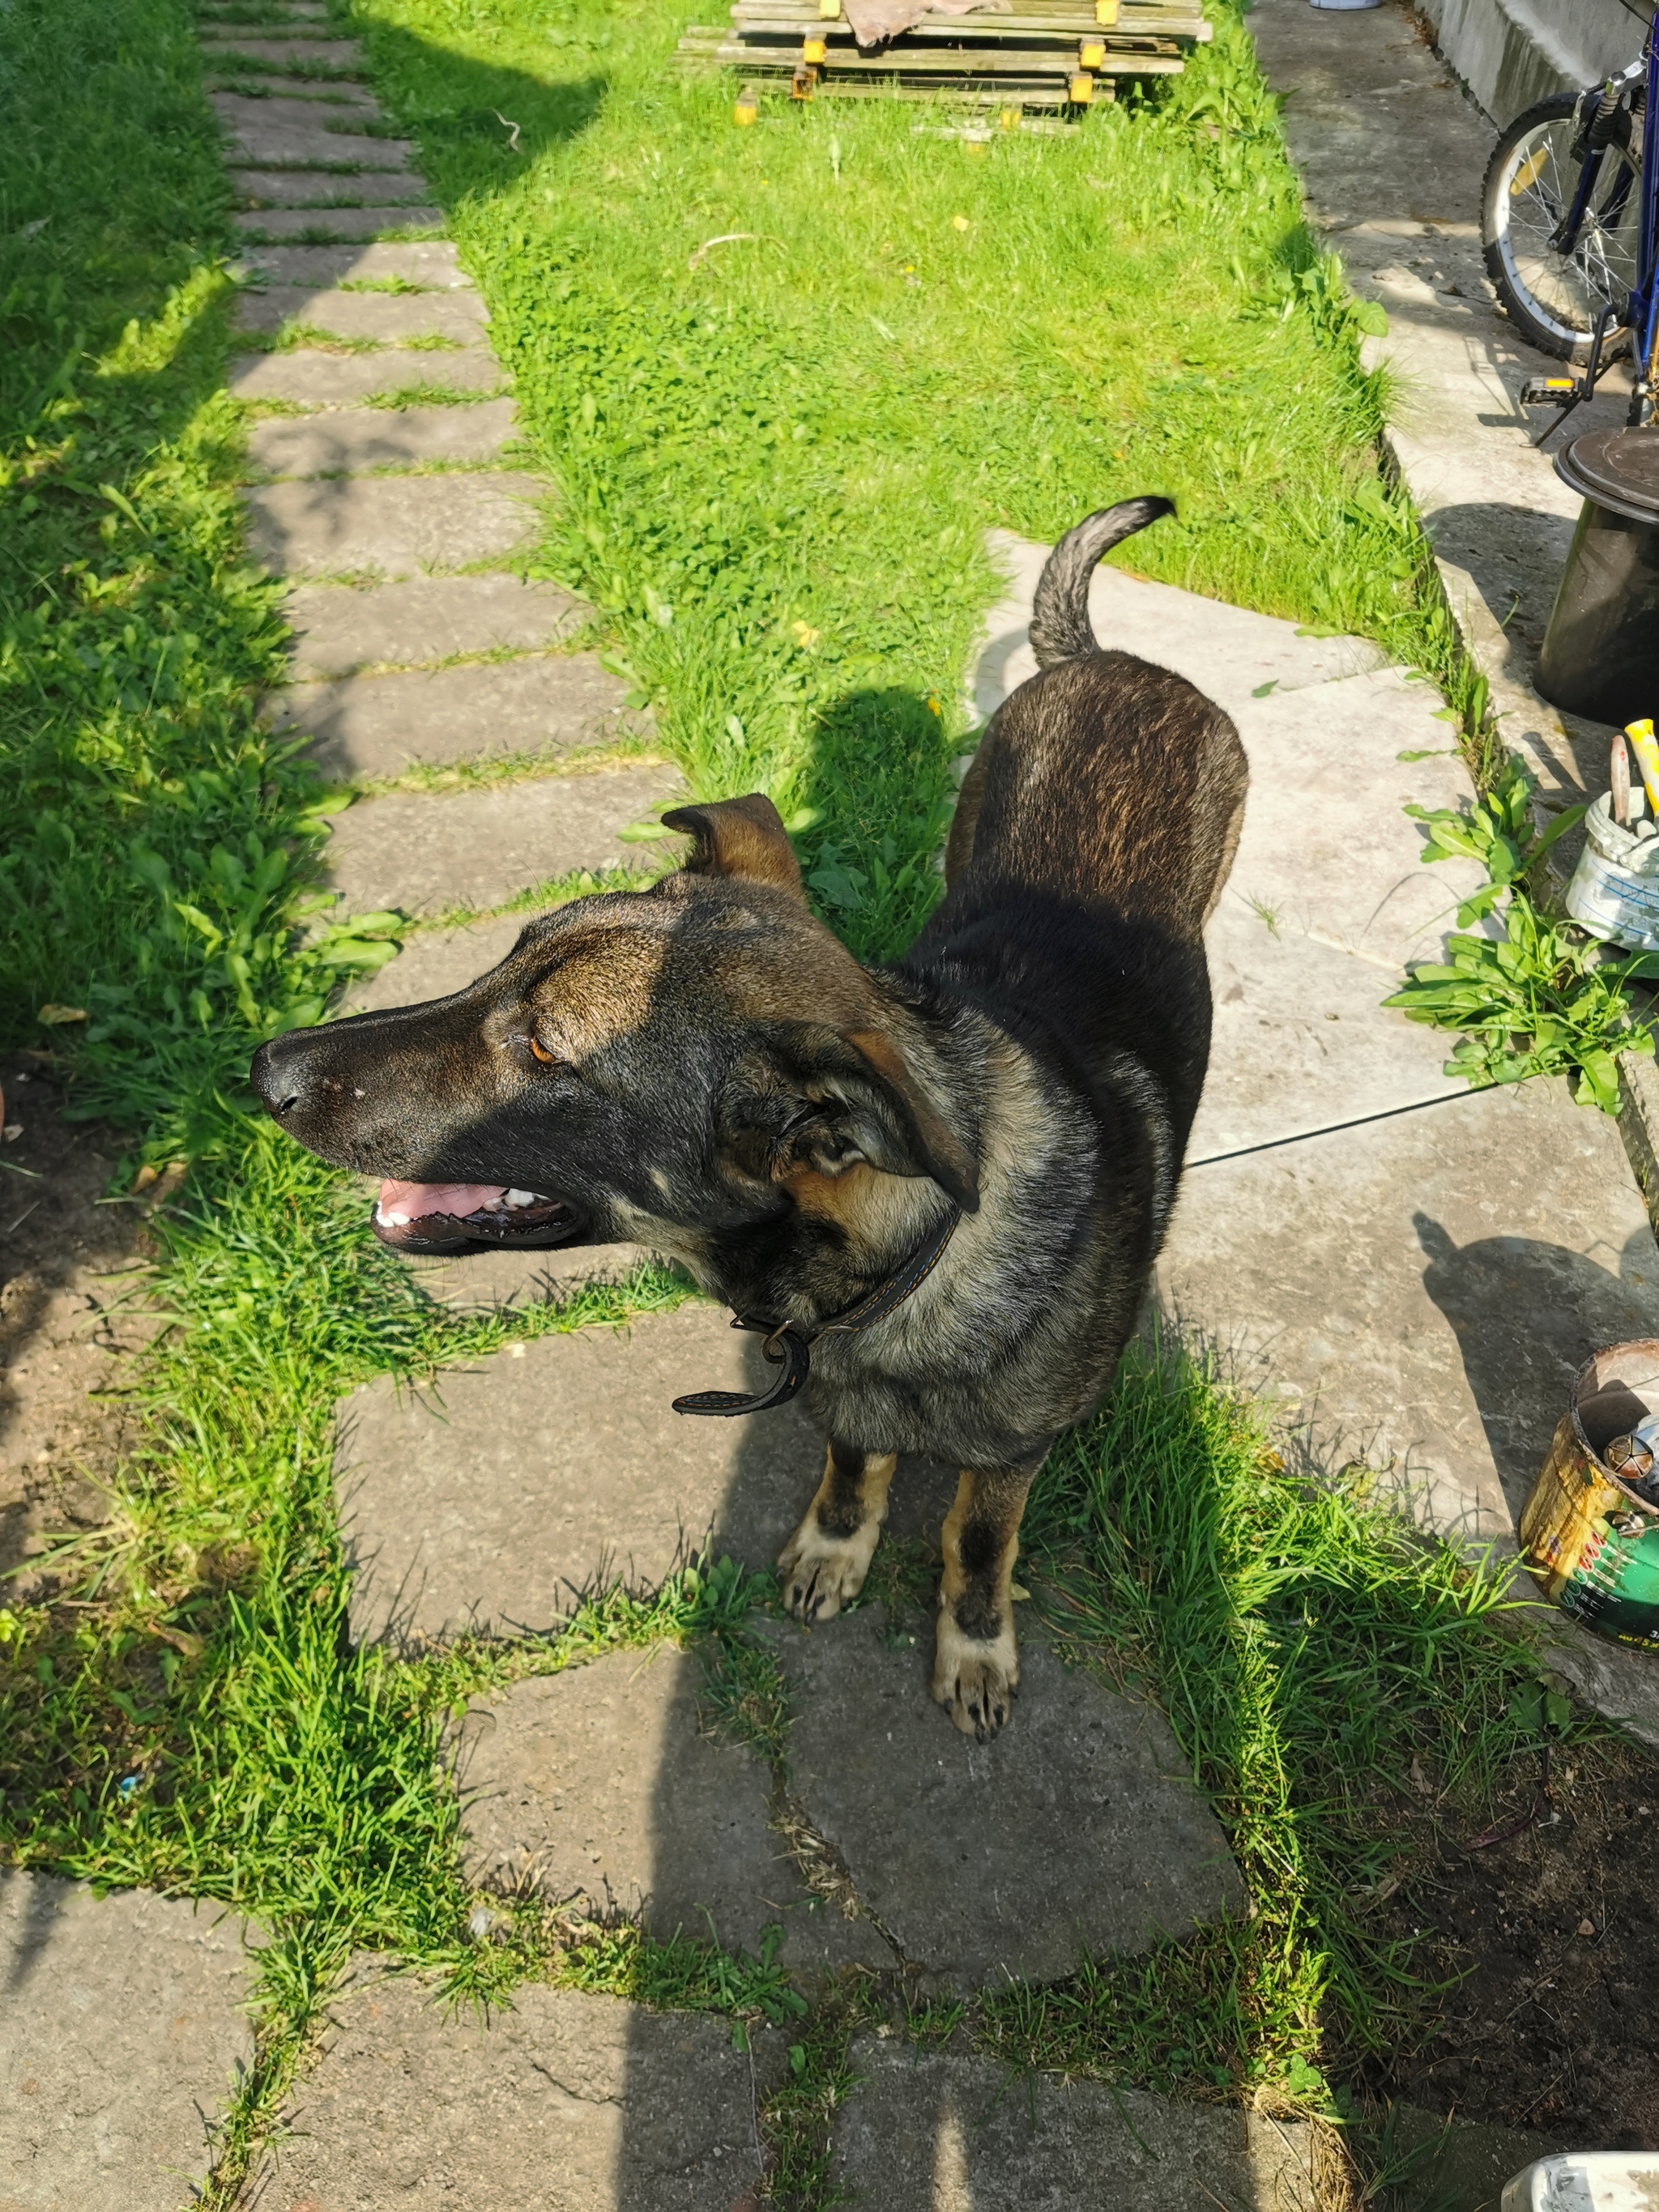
<point>403,1202</point>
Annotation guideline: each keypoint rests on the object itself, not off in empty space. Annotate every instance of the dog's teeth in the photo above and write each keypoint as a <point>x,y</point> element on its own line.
<point>521,1198</point>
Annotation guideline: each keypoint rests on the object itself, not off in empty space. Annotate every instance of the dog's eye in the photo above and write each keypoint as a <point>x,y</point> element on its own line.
<point>539,1051</point>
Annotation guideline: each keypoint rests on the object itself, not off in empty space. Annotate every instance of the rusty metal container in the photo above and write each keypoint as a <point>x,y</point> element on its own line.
<point>1586,1536</point>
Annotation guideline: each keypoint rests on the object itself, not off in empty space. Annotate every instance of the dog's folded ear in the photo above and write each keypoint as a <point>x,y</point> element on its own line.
<point>827,1103</point>
<point>743,837</point>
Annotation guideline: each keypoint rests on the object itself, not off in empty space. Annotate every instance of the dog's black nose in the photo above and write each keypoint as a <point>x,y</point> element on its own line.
<point>277,1074</point>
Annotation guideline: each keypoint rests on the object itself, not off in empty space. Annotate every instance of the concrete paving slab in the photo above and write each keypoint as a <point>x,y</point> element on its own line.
<point>338,630</point>
<point>387,318</point>
<point>218,46</point>
<point>287,132</point>
<point>324,188</point>
<point>432,263</point>
<point>353,441</point>
<point>378,220</point>
<point>574,2103</point>
<point>121,2040</point>
<point>1327,845</point>
<point>602,1784</point>
<point>1075,1830</point>
<point>1391,152</point>
<point>1417,1294</point>
<point>331,97</point>
<point>308,377</point>
<point>366,729</point>
<point>425,852</point>
<point>392,526</point>
<point>1301,1041</point>
<point>1226,651</point>
<point>486,1282</point>
<point>940,2131</point>
<point>488,1503</point>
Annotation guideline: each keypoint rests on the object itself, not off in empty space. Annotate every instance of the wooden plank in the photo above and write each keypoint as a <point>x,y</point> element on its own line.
<point>972,38</point>
<point>1009,61</point>
<point>1164,16</point>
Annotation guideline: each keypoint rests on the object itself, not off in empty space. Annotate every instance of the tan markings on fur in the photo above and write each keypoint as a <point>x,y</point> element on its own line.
<point>821,1571</point>
<point>975,1677</point>
<point>600,991</point>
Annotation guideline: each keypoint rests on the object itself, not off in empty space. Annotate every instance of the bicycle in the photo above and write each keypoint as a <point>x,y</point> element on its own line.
<point>1569,210</point>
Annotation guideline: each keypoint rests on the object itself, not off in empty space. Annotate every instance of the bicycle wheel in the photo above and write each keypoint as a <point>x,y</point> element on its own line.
<point>1554,298</point>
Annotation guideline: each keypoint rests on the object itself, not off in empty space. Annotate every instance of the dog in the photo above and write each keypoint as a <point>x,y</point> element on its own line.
<point>947,1179</point>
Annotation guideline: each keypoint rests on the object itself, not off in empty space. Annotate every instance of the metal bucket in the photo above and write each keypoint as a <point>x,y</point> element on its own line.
<point>1601,652</point>
<point>1585,1536</point>
<point>1614,891</point>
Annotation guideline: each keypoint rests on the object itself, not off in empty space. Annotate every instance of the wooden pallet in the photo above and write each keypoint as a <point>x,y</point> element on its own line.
<point>1033,53</point>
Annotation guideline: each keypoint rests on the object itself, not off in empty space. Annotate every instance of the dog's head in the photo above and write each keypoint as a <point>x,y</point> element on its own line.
<point>662,1066</point>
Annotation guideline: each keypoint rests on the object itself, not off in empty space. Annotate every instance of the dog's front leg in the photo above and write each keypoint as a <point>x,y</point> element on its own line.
<point>825,1561</point>
<point>976,1659</point>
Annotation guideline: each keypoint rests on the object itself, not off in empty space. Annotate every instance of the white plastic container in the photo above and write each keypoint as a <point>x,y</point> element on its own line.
<point>1614,891</point>
<point>1586,2181</point>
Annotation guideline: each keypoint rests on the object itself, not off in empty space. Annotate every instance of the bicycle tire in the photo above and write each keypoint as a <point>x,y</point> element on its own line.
<point>1535,321</point>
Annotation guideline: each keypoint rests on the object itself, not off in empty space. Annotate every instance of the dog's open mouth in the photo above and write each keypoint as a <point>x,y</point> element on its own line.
<point>457,1217</point>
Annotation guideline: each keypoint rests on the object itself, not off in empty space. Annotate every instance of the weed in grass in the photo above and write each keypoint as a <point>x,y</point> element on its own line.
<point>1542,999</point>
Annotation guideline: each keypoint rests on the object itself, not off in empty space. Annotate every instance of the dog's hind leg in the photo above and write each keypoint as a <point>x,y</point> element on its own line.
<point>975,1657</point>
<point>825,1563</point>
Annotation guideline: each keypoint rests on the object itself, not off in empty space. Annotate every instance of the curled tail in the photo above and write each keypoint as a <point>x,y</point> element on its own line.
<point>1060,629</point>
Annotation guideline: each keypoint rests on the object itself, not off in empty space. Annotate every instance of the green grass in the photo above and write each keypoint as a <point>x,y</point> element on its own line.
<point>775,469</point>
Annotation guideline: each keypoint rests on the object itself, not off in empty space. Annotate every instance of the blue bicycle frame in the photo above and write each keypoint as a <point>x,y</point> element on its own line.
<point>1642,312</point>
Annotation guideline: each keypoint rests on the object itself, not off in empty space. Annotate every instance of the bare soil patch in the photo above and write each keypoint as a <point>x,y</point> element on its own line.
<point>1556,1941</point>
<point>73,1275</point>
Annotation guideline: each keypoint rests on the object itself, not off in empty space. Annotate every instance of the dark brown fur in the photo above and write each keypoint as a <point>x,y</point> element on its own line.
<point>726,1084</point>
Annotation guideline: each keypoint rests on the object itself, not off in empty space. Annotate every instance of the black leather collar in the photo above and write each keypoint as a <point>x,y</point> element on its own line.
<point>786,1349</point>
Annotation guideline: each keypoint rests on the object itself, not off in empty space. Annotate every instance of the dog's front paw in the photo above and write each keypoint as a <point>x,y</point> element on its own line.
<point>822,1573</point>
<point>975,1678</point>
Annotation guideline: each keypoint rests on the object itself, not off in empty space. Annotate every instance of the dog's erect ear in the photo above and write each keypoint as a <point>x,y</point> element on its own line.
<point>743,837</point>
<point>829,1103</point>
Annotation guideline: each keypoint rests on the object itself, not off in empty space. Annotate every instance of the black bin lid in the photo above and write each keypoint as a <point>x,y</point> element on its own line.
<point>1618,468</point>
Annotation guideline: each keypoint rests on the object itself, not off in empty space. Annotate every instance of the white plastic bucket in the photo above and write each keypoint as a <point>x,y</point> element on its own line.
<point>1614,891</point>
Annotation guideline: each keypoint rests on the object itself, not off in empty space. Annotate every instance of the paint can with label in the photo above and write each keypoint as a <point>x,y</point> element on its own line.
<point>1614,891</point>
<point>1589,1536</point>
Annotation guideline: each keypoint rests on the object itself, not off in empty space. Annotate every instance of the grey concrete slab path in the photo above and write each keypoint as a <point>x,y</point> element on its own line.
<point>432,263</point>
<point>604,1785</point>
<point>326,189</point>
<point>331,97</point>
<point>940,2131</point>
<point>488,1282</point>
<point>122,2037</point>
<point>219,44</point>
<point>338,630</point>
<point>1076,1830</point>
<point>386,318</point>
<point>374,220</point>
<point>392,526</point>
<point>357,440</point>
<point>489,1501</point>
<point>311,378</point>
<point>568,2102</point>
<point>426,853</point>
<point>1392,153</point>
<point>368,728</point>
<point>287,132</point>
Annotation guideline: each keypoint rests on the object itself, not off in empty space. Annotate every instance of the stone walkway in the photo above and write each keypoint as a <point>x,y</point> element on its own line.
<point>1410,1270</point>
